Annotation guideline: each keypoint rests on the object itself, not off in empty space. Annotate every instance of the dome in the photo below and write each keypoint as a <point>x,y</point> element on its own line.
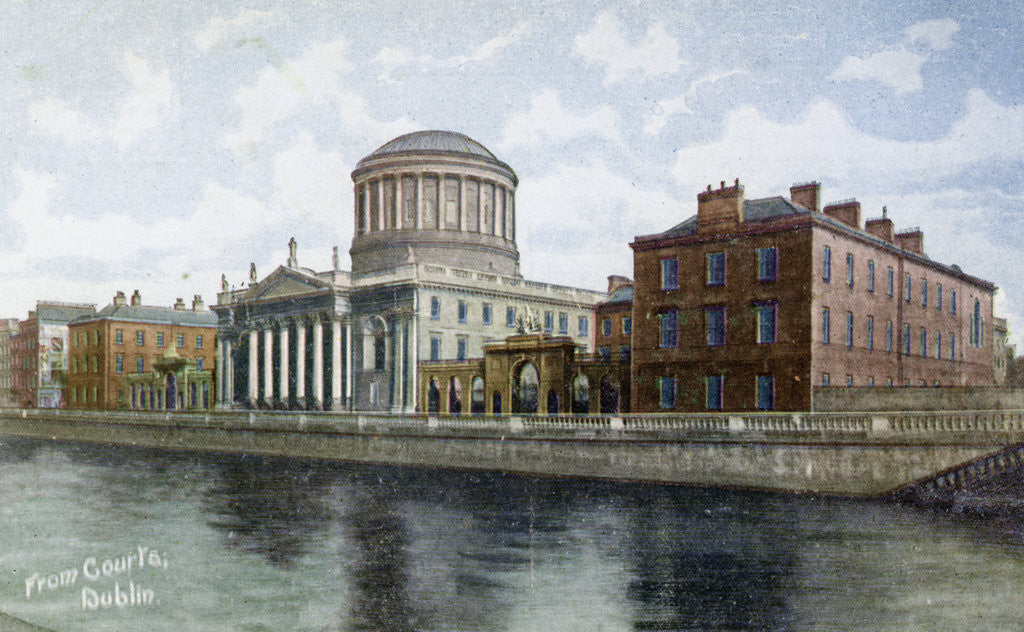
<point>432,142</point>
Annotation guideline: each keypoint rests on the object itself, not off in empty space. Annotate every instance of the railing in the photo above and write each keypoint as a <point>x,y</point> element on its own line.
<point>994,426</point>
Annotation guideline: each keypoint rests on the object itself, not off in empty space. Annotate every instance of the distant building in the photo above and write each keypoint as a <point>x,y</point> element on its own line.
<point>751,304</point>
<point>142,357</point>
<point>39,353</point>
<point>613,321</point>
<point>8,328</point>
<point>435,276</point>
<point>1002,351</point>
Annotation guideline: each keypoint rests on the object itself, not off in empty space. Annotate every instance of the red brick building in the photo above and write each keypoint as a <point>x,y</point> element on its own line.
<point>750,304</point>
<point>613,321</point>
<point>39,359</point>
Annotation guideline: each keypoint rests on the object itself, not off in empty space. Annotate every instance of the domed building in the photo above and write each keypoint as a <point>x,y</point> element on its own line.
<point>435,276</point>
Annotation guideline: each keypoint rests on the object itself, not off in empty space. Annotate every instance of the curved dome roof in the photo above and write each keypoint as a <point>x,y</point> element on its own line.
<point>433,141</point>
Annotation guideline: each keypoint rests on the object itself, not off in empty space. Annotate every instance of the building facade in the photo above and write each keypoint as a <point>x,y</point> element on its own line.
<point>750,304</point>
<point>435,276</point>
<point>39,353</point>
<point>142,357</point>
<point>613,321</point>
<point>8,328</point>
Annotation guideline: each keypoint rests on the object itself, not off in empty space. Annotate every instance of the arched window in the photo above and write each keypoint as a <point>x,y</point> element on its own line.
<point>524,399</point>
<point>433,396</point>
<point>477,405</point>
<point>496,403</point>
<point>609,395</point>
<point>375,346</point>
<point>581,395</point>
<point>172,392</point>
<point>552,402</point>
<point>454,396</point>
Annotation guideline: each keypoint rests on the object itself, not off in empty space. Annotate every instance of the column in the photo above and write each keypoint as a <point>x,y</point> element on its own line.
<point>397,366</point>
<point>283,332</point>
<point>318,361</point>
<point>419,211</point>
<point>229,374</point>
<point>462,204</point>
<point>254,384</point>
<point>220,372</point>
<point>300,361</point>
<point>380,205</point>
<point>349,375</point>
<point>268,366</point>
<point>414,353</point>
<point>335,364</point>
<point>399,220</point>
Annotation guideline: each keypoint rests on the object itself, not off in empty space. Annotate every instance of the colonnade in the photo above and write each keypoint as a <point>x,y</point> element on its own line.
<point>277,391</point>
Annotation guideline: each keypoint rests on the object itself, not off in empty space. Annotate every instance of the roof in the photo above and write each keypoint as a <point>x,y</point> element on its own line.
<point>622,295</point>
<point>151,314</point>
<point>62,312</point>
<point>433,141</point>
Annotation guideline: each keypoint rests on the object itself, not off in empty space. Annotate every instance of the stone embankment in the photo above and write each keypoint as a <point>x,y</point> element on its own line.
<point>849,454</point>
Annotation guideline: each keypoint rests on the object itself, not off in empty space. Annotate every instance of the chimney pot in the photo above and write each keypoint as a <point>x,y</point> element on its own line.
<point>179,304</point>
<point>136,299</point>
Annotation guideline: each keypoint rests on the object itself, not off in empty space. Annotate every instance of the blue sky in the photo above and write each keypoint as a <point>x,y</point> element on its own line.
<point>158,145</point>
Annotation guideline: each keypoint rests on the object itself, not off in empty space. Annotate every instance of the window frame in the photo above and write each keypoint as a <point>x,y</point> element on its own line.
<point>770,308</point>
<point>715,336</point>
<point>669,273</point>
<point>668,338</point>
<point>715,269</point>
<point>767,264</point>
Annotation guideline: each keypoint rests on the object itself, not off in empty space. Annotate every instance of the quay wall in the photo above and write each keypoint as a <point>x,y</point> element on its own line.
<point>847,454</point>
<point>919,398</point>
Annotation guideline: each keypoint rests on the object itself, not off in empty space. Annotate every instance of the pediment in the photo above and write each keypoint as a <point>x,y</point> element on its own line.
<point>283,283</point>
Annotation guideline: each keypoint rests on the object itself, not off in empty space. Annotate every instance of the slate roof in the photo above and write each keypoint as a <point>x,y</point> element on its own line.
<point>433,141</point>
<point>753,211</point>
<point>621,295</point>
<point>151,314</point>
<point>62,312</point>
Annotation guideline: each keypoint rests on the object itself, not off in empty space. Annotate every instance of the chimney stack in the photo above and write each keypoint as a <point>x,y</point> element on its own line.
<point>179,304</point>
<point>807,195</point>
<point>720,210</point>
<point>136,299</point>
<point>881,227</point>
<point>912,240</point>
<point>845,211</point>
<point>119,299</point>
<point>616,281</point>
<point>197,303</point>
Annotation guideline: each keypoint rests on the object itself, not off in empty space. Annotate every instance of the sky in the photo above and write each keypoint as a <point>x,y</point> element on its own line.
<point>159,145</point>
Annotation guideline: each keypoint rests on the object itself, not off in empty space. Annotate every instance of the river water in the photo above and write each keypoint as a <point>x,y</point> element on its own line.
<point>109,538</point>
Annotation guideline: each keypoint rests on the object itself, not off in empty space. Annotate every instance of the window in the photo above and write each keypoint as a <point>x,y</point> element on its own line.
<point>716,268</point>
<point>849,330</point>
<point>906,339</point>
<point>199,341</point>
<point>199,364</point>
<point>119,336</point>
<point>606,327</point>
<point>139,364</point>
<point>670,274</point>
<point>668,322</point>
<point>952,301</point>
<point>849,270</point>
<point>625,352</point>
<point>510,317</point>
<point>715,321</point>
<point>667,388</point>
<point>888,381</point>
<point>977,326</point>
<point>767,315</point>
<point>849,381</point>
<point>563,323</point>
<point>907,287</point>
<point>924,342</point>
<point>871,334</point>
<point>435,347</point>
<point>765,392</point>
<point>627,325</point>
<point>826,265</point>
<point>826,333</point>
<point>952,347</point>
<point>825,379</point>
<point>713,392</point>
<point>486,313</point>
<point>74,364</point>
<point>584,326</point>
<point>938,296</point>
<point>159,338</point>
<point>767,264</point>
<point>605,353</point>
<point>871,276</point>
<point>461,348</point>
<point>435,308</point>
<point>924,293</point>
<point>549,321</point>
<point>888,336</point>
<point>140,337</point>
<point>871,380</point>
<point>180,341</point>
<point>462,311</point>
<point>96,337</point>
<point>938,346</point>
<point>95,364</point>
<point>890,281</point>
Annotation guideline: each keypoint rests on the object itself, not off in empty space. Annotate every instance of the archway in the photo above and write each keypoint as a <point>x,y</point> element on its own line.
<point>581,395</point>
<point>527,381</point>
<point>552,402</point>
<point>609,395</point>
<point>477,405</point>
<point>172,392</point>
<point>454,396</point>
<point>496,403</point>
<point>433,396</point>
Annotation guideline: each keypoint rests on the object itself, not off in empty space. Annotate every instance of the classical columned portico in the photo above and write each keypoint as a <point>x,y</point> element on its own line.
<point>318,362</point>
<point>283,364</point>
<point>336,364</point>
<point>268,367</point>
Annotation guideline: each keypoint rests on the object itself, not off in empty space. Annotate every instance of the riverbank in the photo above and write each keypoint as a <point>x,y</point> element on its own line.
<point>845,454</point>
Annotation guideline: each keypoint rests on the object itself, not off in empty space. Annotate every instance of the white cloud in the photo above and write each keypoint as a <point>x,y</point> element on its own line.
<point>669,108</point>
<point>936,34</point>
<point>146,106</point>
<point>897,68</point>
<point>547,122</point>
<point>822,144</point>
<point>314,80</point>
<point>219,31</point>
<point>657,53</point>
<point>393,59</point>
